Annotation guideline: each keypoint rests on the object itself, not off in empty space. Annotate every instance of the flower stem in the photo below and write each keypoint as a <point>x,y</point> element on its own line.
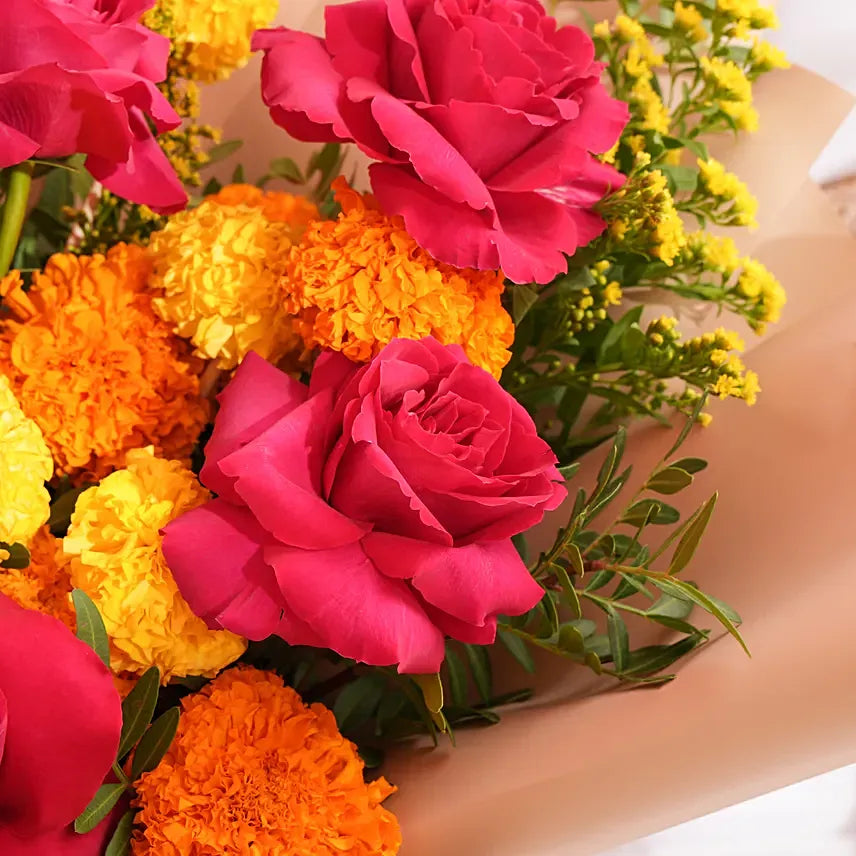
<point>14,212</point>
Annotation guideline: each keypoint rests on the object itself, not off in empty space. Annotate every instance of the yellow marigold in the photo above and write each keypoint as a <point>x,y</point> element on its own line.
<point>113,547</point>
<point>252,769</point>
<point>218,268</point>
<point>45,585</point>
<point>689,19</point>
<point>360,281</point>
<point>25,466</point>
<point>296,211</point>
<point>210,39</point>
<point>93,365</point>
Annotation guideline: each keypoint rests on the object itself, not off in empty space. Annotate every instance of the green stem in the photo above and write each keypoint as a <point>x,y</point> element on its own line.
<point>120,775</point>
<point>14,212</point>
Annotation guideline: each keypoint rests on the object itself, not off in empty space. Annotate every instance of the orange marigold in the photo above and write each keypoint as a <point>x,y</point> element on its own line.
<point>297,211</point>
<point>94,367</point>
<point>360,281</point>
<point>45,585</point>
<point>254,770</point>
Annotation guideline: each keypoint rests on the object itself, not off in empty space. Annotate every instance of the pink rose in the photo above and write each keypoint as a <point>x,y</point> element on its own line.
<point>370,513</point>
<point>79,76</point>
<point>60,719</point>
<point>481,113</point>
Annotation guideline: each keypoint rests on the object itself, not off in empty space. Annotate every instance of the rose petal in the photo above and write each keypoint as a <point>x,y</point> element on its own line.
<point>64,717</point>
<point>357,611</point>
<point>357,37</point>
<point>257,396</point>
<point>469,583</point>
<point>471,634</point>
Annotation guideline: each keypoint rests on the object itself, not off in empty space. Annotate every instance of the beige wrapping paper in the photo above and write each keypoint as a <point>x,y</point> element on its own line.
<point>577,772</point>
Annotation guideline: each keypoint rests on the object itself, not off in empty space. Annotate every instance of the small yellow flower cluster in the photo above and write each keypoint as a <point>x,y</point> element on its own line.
<point>747,15</point>
<point>716,253</point>
<point>730,191</point>
<point>586,307</point>
<point>689,20</point>
<point>760,286</point>
<point>649,111</point>
<point>731,90</point>
<point>113,549</point>
<point>650,222</point>
<point>766,57</point>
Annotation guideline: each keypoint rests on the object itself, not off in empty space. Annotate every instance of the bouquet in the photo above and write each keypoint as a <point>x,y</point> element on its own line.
<point>275,454</point>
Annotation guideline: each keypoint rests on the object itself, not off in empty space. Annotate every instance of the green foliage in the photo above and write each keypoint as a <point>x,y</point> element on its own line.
<point>90,626</point>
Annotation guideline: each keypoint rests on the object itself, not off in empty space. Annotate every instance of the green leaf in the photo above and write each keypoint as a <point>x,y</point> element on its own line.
<point>674,586</point>
<point>481,669</point>
<point>99,807</point>
<point>432,690</point>
<point>523,298</point>
<point>619,640</point>
<point>517,648</point>
<point>519,541</point>
<point>286,168</point>
<point>630,585</point>
<point>569,471</point>
<point>371,755</point>
<point>222,151</point>
<point>655,658</point>
<point>62,508</point>
<point>610,347</point>
<point>691,420</point>
<point>731,614</point>
<point>571,640</point>
<point>155,742</point>
<point>690,465</point>
<point>572,601</point>
<point>599,579</point>
<point>120,842</point>
<point>640,511</point>
<point>586,626</point>
<point>679,177</point>
<point>19,556</point>
<point>457,678</point>
<point>238,174</point>
<point>358,701</point>
<point>691,537</point>
<point>550,624</point>
<point>670,480</point>
<point>138,709</point>
<point>576,559</point>
<point>90,626</point>
<point>325,161</point>
<point>671,606</point>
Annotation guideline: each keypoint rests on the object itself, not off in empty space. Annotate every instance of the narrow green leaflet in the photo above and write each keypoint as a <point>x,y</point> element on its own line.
<point>155,743</point>
<point>356,703</point>
<point>120,843</point>
<point>481,669</point>
<point>457,674</point>
<point>99,807</point>
<point>90,627</point>
<point>691,537</point>
<point>517,648</point>
<point>523,298</point>
<point>619,640</point>
<point>138,709</point>
<point>669,480</point>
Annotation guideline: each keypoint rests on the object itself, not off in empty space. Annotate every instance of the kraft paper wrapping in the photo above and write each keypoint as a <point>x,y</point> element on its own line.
<point>583,767</point>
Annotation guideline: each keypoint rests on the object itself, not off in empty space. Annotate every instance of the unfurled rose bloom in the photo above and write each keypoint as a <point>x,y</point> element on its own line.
<point>481,113</point>
<point>370,513</point>
<point>79,76</point>
<point>60,719</point>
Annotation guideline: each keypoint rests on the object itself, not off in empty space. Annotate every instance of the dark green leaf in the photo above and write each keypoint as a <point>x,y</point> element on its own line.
<point>572,601</point>
<point>155,742</point>
<point>672,606</point>
<point>457,678</point>
<point>679,177</point>
<point>569,471</point>
<point>678,625</point>
<point>599,579</point>
<point>598,645</point>
<point>62,508</point>
<point>358,701</point>
<point>619,640</point>
<point>550,623</point>
<point>99,807</point>
<point>120,842</point>
<point>669,480</point>
<point>238,174</point>
<point>678,586</point>
<point>640,511</point>
<point>727,611</point>
<point>585,626</point>
<point>138,709</point>
<point>514,697</point>
<point>286,168</point>
<point>390,707</point>
<point>90,627</point>
<point>19,556</point>
<point>523,298</point>
<point>691,537</point>
<point>481,669</point>
<point>520,545</point>
<point>655,658</point>
<point>610,347</point>
<point>371,755</point>
<point>222,150</point>
<point>518,649</point>
<point>576,559</point>
<point>325,161</point>
<point>690,465</point>
<point>571,640</point>
<point>628,585</point>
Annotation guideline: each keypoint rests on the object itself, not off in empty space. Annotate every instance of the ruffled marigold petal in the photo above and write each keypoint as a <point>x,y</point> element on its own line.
<point>361,281</point>
<point>114,551</point>
<point>94,367</point>
<point>254,769</point>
